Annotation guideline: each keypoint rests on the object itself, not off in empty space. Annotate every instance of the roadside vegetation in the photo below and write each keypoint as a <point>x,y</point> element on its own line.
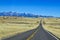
<point>52,25</point>
<point>10,26</point>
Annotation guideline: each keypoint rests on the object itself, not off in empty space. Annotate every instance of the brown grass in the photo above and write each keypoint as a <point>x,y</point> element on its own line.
<point>12,25</point>
<point>52,25</point>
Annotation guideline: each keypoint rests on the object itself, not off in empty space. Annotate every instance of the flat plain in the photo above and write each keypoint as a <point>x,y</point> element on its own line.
<point>10,26</point>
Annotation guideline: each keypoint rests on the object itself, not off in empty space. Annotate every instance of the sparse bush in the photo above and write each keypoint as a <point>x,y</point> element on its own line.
<point>37,21</point>
<point>5,17</point>
<point>44,22</point>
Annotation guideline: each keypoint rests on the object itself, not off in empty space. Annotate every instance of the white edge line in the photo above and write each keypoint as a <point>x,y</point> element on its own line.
<point>52,35</point>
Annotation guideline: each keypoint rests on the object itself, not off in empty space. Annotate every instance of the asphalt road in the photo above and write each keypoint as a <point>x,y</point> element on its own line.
<point>36,34</point>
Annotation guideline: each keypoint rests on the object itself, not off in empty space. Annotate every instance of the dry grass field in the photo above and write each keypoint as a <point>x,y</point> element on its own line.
<point>52,25</point>
<point>10,26</point>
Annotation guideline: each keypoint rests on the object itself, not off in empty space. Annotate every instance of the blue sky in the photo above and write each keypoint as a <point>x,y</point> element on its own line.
<point>41,7</point>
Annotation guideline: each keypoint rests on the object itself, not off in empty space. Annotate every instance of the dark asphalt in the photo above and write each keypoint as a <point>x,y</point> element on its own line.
<point>20,36</point>
<point>41,34</point>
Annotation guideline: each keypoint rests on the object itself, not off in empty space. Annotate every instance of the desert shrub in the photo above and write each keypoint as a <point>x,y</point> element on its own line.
<point>44,22</point>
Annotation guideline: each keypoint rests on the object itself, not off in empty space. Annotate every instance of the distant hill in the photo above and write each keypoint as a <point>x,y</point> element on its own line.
<point>22,14</point>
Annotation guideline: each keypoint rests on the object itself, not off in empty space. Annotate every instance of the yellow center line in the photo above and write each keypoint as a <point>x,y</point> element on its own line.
<point>29,38</point>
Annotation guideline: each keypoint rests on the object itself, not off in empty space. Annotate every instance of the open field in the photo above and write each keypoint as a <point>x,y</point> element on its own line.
<point>52,25</point>
<point>10,26</point>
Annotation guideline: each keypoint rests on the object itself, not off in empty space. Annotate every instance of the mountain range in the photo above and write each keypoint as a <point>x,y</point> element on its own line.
<point>21,14</point>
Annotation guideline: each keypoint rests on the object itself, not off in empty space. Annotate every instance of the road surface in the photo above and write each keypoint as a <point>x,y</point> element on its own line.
<point>36,34</point>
